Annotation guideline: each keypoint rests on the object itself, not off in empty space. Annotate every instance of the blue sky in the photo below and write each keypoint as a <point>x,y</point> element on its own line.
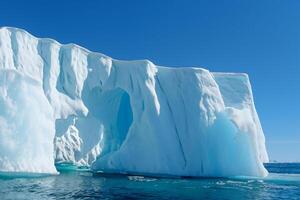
<point>259,37</point>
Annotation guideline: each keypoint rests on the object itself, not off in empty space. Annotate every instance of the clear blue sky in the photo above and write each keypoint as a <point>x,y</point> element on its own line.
<point>259,37</point>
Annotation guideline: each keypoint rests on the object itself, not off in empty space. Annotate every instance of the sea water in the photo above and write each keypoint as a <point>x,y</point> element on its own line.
<point>283,182</point>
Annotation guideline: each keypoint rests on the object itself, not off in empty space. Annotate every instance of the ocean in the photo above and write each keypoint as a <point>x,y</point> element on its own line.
<point>283,182</point>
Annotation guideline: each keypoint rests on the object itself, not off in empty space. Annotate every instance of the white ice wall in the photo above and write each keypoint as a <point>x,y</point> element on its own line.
<point>26,125</point>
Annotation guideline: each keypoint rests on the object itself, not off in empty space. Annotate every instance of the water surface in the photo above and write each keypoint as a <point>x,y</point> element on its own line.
<point>84,185</point>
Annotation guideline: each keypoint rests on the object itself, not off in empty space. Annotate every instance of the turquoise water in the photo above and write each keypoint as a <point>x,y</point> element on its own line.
<point>82,184</point>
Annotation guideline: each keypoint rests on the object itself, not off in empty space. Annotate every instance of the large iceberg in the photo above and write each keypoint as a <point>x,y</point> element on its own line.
<point>65,104</point>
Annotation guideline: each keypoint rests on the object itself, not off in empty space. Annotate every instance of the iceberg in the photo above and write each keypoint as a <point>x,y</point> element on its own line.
<point>65,104</point>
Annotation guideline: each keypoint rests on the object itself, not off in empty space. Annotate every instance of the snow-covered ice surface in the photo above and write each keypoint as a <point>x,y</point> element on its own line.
<point>88,109</point>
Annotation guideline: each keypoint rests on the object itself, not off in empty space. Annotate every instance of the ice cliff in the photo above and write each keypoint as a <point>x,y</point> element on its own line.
<point>65,104</point>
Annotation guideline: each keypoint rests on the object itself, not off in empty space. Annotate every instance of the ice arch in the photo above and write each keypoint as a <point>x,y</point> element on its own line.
<point>113,109</point>
<point>101,132</point>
